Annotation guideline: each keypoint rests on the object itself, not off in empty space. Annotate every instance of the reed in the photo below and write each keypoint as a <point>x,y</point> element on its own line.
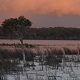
<point>17,45</point>
<point>16,54</point>
<point>71,51</point>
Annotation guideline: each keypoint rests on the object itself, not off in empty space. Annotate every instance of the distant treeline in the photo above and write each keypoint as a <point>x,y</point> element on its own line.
<point>56,33</point>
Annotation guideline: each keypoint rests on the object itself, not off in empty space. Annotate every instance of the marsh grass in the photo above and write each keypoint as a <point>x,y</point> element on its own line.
<point>9,59</point>
<point>17,45</point>
<point>15,54</point>
<point>71,51</point>
<point>54,57</point>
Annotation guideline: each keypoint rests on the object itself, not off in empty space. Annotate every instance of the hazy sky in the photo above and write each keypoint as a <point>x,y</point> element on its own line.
<point>43,13</point>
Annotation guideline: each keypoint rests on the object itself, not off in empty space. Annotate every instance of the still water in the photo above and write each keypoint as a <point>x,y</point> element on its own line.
<point>44,42</point>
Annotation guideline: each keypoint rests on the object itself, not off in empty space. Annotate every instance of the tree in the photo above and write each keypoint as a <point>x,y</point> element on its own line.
<point>17,26</point>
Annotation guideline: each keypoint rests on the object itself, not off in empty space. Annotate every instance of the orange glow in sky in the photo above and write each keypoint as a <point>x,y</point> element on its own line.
<point>56,7</point>
<point>29,8</point>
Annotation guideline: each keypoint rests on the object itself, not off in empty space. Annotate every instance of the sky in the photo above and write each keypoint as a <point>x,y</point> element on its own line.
<point>43,13</point>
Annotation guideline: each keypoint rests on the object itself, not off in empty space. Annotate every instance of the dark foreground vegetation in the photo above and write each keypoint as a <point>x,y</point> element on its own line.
<point>49,54</point>
<point>18,45</point>
<point>11,60</point>
<point>50,57</point>
<point>57,33</point>
<point>16,54</point>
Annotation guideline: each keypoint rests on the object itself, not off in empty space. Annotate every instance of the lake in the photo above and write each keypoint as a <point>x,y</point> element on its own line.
<point>45,42</point>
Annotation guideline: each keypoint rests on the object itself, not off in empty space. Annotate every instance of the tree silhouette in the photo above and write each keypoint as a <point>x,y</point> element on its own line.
<point>17,26</point>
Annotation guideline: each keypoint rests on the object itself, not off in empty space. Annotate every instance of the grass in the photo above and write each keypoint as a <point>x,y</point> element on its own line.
<point>17,45</point>
<point>9,59</point>
<point>54,56</point>
<point>50,57</point>
<point>15,54</point>
<point>50,54</point>
<point>71,52</point>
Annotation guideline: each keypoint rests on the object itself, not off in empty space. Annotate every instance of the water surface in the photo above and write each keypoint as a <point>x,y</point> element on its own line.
<point>44,42</point>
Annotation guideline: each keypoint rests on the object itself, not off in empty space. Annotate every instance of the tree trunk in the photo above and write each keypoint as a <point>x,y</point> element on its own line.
<point>24,60</point>
<point>22,46</point>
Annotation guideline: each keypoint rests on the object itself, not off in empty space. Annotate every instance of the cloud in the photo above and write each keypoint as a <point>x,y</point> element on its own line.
<point>55,7</point>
